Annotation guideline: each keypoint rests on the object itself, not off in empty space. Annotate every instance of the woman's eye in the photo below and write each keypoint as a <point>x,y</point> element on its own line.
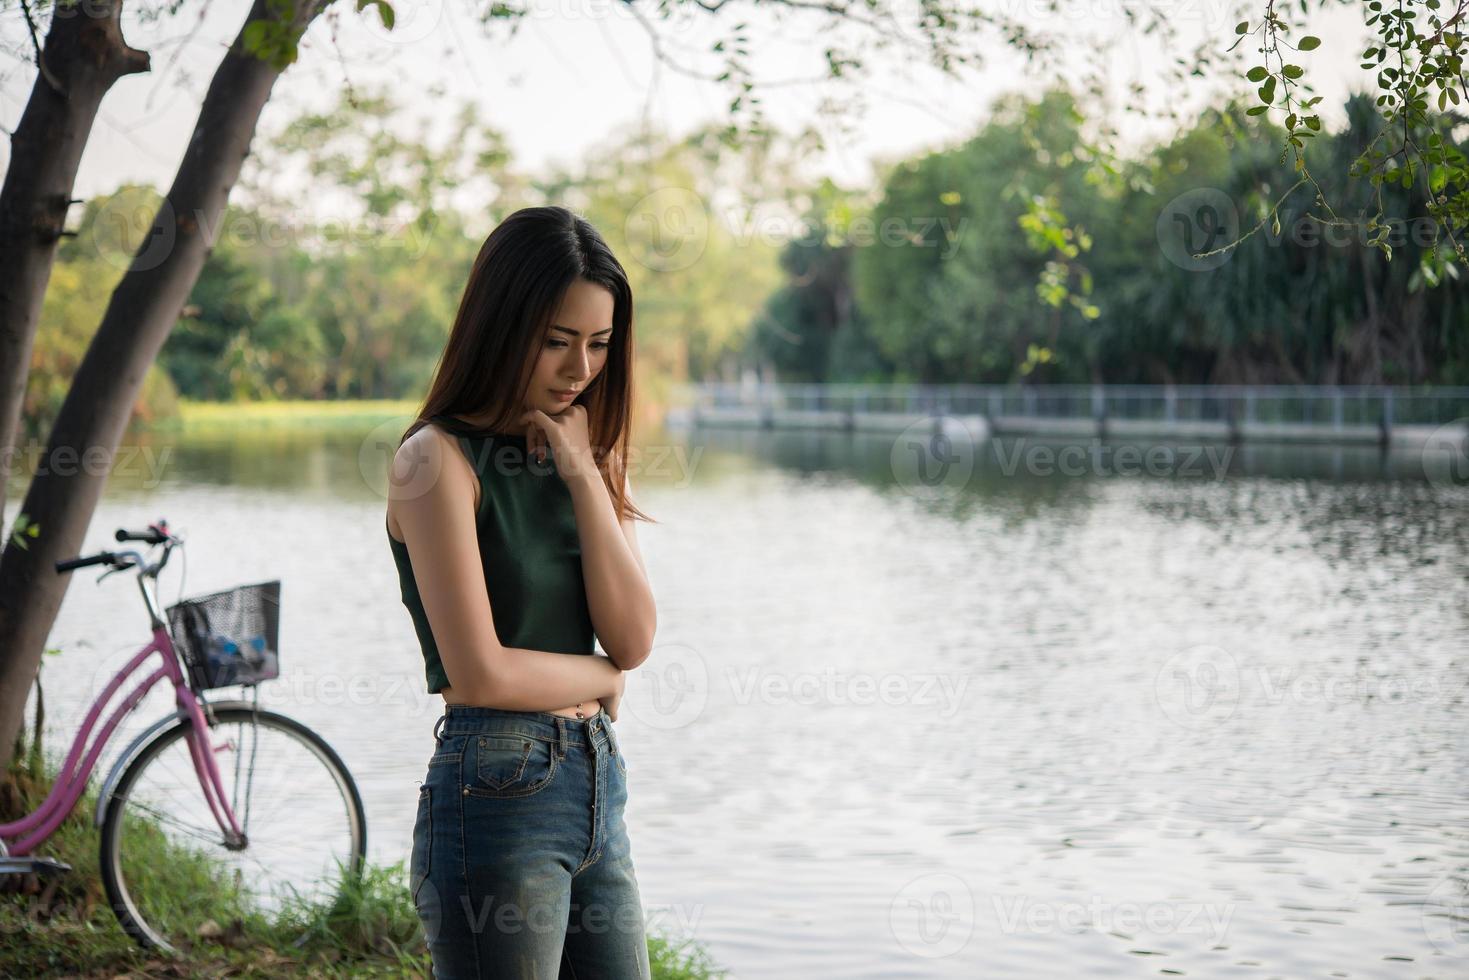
<point>558,344</point>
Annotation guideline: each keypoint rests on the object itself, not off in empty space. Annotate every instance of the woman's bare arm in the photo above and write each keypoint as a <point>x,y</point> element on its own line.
<point>432,490</point>
<point>620,600</point>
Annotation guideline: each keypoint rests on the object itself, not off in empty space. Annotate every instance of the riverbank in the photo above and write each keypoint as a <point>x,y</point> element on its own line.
<point>194,415</point>
<point>62,926</point>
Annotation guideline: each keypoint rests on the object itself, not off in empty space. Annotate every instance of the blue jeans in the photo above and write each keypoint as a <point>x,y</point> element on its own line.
<point>521,866</point>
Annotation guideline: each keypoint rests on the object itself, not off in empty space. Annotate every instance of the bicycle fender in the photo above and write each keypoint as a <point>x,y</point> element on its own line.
<point>104,796</point>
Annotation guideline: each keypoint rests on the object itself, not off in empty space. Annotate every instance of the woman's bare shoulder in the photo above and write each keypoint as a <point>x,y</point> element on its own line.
<point>420,467</point>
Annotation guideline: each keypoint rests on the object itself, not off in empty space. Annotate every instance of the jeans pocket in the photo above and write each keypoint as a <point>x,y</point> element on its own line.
<point>505,765</point>
<point>419,860</point>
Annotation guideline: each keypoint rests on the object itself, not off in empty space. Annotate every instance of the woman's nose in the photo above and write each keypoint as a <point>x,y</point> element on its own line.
<point>577,366</point>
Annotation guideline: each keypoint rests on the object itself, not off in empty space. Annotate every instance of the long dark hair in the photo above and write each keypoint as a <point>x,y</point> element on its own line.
<point>520,276</point>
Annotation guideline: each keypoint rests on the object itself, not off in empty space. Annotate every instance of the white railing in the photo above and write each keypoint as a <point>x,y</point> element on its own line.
<point>1331,406</point>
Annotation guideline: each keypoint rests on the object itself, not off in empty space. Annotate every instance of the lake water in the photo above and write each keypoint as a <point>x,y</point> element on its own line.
<point>988,719</point>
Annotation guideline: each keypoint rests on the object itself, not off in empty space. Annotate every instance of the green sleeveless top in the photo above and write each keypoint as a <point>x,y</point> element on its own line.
<point>529,548</point>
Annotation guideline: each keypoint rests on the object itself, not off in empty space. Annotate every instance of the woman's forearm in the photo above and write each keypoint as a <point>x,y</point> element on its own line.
<point>541,680</point>
<point>619,599</point>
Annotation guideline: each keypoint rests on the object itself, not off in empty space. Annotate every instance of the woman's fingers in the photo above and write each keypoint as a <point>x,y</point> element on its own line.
<point>535,436</point>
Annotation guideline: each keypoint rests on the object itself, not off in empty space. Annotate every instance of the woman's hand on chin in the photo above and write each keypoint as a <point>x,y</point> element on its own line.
<point>566,434</point>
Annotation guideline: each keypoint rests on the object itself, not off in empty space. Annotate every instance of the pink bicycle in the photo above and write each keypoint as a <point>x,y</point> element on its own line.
<point>221,812</point>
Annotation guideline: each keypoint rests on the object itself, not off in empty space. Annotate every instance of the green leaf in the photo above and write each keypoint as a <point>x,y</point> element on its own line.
<point>254,34</point>
<point>1309,43</point>
<point>384,11</point>
<point>1257,74</point>
<point>1292,71</point>
<point>1242,27</point>
<point>1257,110</point>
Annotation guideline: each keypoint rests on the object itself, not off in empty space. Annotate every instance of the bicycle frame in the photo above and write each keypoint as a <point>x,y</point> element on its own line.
<point>70,786</point>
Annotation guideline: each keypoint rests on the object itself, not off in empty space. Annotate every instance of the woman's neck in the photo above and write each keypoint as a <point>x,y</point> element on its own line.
<point>483,425</point>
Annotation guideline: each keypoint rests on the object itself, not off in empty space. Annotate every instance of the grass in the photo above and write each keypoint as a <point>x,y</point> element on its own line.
<point>63,926</point>
<point>196,415</point>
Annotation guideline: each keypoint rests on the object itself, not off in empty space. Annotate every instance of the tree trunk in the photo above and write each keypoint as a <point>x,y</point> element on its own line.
<point>83,56</point>
<point>140,314</point>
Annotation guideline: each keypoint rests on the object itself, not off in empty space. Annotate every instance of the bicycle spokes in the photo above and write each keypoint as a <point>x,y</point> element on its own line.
<point>296,805</point>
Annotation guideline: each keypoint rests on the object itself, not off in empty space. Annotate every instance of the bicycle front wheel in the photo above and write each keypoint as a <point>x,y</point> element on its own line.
<point>171,874</point>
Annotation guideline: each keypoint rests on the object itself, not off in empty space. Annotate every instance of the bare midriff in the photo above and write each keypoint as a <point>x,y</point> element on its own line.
<point>586,709</point>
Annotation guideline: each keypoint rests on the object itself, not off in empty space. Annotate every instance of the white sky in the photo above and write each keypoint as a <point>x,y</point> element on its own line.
<point>577,70</point>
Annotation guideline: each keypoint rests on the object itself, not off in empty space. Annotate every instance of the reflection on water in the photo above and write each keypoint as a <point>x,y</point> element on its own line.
<point>1026,723</point>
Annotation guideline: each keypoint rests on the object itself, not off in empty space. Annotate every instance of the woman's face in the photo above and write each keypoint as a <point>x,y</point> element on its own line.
<point>575,348</point>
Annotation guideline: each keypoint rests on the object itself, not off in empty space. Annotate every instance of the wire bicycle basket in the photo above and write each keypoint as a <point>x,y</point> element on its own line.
<point>231,637</point>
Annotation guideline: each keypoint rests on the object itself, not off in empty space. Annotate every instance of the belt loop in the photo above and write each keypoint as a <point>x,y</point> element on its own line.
<point>438,725</point>
<point>560,737</point>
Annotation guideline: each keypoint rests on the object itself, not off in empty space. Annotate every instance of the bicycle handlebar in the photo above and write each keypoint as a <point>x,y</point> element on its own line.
<point>156,534</point>
<point>101,558</point>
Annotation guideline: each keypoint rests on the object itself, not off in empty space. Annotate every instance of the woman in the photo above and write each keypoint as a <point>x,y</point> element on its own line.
<point>509,521</point>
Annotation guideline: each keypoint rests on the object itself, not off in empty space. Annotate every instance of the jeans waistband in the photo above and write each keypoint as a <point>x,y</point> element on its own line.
<point>467,719</point>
